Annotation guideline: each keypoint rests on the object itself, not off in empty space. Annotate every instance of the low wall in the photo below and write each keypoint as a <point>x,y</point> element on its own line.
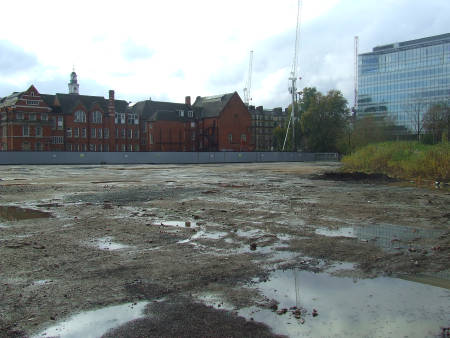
<point>25,157</point>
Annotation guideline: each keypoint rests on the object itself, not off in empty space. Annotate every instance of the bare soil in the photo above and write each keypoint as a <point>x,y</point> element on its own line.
<point>244,220</point>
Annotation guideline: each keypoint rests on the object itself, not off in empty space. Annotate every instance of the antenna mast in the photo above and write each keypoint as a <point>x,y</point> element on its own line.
<point>293,80</point>
<point>355,104</point>
<point>248,85</point>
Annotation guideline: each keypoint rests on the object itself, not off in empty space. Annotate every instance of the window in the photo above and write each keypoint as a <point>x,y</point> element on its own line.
<point>19,116</point>
<point>33,102</point>
<point>93,132</point>
<point>190,113</point>
<point>26,146</point>
<point>106,133</point>
<point>181,113</point>
<point>130,133</point>
<point>192,124</point>
<point>57,140</point>
<point>83,133</point>
<point>39,146</point>
<point>96,117</point>
<point>69,147</point>
<point>76,132</point>
<point>193,136</point>
<point>132,119</point>
<point>44,117</point>
<point>123,132</point>
<point>150,125</point>
<point>106,147</point>
<point>92,147</point>
<point>136,133</point>
<point>60,122</point>
<point>116,118</point>
<point>80,116</point>
<point>100,147</point>
<point>123,147</point>
<point>122,118</point>
<point>230,138</point>
<point>151,138</point>
<point>32,117</point>
<point>83,147</point>
<point>25,131</point>
<point>69,132</point>
<point>243,138</point>
<point>38,131</point>
<point>136,147</point>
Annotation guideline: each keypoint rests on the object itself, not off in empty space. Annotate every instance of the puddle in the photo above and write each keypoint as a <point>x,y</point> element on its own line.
<point>186,224</point>
<point>92,324</point>
<point>341,232</point>
<point>386,236</point>
<point>348,307</point>
<point>106,243</point>
<point>12,213</point>
<point>204,235</point>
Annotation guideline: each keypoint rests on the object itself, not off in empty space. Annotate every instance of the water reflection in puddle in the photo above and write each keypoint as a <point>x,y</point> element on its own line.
<point>106,243</point>
<point>13,213</point>
<point>341,232</point>
<point>204,235</point>
<point>346,307</point>
<point>186,224</point>
<point>92,324</point>
<point>386,236</point>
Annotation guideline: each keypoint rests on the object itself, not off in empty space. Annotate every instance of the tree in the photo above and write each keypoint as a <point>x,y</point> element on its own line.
<point>368,129</point>
<point>324,121</point>
<point>416,113</point>
<point>436,121</point>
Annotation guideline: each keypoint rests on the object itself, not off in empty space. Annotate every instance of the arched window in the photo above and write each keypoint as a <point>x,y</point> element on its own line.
<point>80,116</point>
<point>96,117</point>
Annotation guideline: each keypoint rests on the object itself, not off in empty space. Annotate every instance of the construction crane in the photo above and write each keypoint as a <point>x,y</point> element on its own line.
<point>355,84</point>
<point>293,80</point>
<point>248,85</point>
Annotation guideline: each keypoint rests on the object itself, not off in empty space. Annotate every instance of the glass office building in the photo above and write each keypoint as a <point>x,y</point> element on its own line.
<point>401,80</point>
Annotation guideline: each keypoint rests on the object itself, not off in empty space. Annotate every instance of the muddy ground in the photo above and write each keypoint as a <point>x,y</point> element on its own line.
<point>108,238</point>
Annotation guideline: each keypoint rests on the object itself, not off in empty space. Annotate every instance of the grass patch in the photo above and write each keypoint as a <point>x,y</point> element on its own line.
<point>404,160</point>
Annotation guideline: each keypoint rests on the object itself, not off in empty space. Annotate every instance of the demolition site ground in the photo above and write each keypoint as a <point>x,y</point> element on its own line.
<point>215,250</point>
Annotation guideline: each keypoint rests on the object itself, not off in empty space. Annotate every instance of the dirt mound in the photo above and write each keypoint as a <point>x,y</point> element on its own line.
<point>355,177</point>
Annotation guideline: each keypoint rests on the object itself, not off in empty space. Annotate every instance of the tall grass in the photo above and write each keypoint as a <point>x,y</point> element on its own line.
<point>405,160</point>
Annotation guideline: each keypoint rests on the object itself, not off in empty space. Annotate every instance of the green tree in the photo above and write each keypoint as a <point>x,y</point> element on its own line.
<point>324,121</point>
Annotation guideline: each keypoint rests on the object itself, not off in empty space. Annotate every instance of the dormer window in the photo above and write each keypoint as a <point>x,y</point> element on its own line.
<point>33,102</point>
<point>190,113</point>
<point>181,113</point>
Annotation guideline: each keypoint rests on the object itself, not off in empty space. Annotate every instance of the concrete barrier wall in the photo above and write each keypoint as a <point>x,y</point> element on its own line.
<point>24,157</point>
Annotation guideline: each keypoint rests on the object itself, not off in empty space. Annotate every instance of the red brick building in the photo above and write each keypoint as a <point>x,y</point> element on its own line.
<point>25,122</point>
<point>224,124</point>
<point>30,121</point>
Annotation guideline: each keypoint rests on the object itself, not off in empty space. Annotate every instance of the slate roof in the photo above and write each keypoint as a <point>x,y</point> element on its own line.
<point>161,111</point>
<point>10,100</point>
<point>212,106</point>
<point>68,102</point>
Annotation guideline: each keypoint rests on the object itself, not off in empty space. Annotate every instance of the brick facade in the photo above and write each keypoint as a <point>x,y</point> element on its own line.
<point>30,121</point>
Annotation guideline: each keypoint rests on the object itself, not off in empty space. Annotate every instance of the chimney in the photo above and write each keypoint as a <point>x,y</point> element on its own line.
<point>111,106</point>
<point>187,100</point>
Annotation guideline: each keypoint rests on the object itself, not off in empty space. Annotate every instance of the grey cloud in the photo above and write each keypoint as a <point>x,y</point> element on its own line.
<point>14,60</point>
<point>326,44</point>
<point>133,51</point>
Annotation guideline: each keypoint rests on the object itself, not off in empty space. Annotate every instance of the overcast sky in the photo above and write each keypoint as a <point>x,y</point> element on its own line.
<point>169,49</point>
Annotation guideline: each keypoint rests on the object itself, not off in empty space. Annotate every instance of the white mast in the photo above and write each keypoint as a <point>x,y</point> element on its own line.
<point>248,85</point>
<point>293,80</point>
